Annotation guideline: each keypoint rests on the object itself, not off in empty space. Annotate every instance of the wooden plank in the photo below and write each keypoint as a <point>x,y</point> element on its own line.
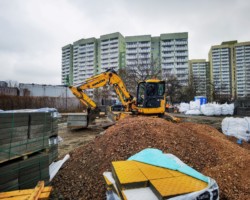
<point>24,194</point>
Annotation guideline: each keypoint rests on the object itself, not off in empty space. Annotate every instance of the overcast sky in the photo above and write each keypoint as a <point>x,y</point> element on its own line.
<point>32,32</point>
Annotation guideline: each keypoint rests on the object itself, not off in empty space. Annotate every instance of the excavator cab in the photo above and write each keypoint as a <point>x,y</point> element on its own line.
<point>151,96</point>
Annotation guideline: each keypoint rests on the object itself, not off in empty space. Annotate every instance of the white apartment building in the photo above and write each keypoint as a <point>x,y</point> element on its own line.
<point>66,76</point>
<point>84,53</point>
<point>111,46</point>
<point>242,64</point>
<point>199,75</point>
<point>174,56</point>
<point>138,52</point>
<point>222,69</point>
<point>84,61</point>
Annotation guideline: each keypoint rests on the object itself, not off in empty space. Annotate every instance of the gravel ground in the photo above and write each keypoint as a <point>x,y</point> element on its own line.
<point>200,146</point>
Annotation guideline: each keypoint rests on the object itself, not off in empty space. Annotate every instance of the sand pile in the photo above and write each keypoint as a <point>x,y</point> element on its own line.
<point>200,146</point>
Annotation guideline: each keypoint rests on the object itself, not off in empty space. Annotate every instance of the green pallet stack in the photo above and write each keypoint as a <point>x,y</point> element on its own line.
<point>24,174</point>
<point>26,135</point>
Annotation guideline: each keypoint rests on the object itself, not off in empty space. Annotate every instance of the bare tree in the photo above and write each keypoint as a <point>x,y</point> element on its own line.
<point>173,89</point>
<point>139,69</point>
<point>219,91</point>
<point>12,83</point>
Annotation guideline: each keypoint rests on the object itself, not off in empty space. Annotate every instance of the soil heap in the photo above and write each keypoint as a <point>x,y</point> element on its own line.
<point>200,146</point>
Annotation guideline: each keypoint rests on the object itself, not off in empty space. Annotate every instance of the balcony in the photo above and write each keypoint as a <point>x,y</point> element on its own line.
<point>131,52</point>
<point>113,55</point>
<point>181,48</point>
<point>131,45</point>
<point>167,48</point>
<point>104,47</point>
<point>163,43</point>
<point>144,44</point>
<point>181,42</point>
<point>113,46</point>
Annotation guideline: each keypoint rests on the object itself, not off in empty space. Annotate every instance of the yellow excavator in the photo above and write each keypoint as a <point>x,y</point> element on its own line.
<point>150,98</point>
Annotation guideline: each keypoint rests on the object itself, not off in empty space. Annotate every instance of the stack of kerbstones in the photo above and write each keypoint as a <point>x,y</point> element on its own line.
<point>27,147</point>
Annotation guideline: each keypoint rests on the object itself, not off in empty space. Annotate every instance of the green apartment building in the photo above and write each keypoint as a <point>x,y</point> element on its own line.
<point>87,57</point>
<point>199,76</point>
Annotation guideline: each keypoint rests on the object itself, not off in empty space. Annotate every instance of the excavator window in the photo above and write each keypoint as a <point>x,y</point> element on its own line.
<point>140,94</point>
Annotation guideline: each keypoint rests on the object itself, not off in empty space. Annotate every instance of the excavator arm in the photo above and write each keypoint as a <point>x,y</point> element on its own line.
<point>109,77</point>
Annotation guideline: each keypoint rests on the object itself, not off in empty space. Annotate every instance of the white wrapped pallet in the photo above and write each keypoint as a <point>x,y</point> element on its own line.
<point>217,109</point>
<point>193,112</point>
<point>195,105</point>
<point>227,109</point>
<point>184,107</point>
<point>237,127</point>
<point>208,109</point>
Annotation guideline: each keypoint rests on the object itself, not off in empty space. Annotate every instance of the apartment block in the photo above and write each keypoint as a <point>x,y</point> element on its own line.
<point>168,53</point>
<point>199,76</point>
<point>84,59</point>
<point>242,65</point>
<point>67,65</point>
<point>138,52</point>
<point>222,69</point>
<point>112,51</point>
<point>174,55</point>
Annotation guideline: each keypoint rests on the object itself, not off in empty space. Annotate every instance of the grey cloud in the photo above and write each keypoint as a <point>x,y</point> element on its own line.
<point>32,32</point>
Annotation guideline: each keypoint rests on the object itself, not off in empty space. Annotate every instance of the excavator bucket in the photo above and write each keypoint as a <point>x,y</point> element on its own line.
<point>93,114</point>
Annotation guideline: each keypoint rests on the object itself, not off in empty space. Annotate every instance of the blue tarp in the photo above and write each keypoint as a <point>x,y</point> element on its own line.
<point>157,158</point>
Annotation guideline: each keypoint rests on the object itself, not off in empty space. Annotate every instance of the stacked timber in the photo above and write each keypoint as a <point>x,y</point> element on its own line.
<point>27,147</point>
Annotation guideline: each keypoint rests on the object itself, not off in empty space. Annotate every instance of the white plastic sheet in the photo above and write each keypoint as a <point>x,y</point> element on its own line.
<point>184,107</point>
<point>208,109</point>
<point>55,166</point>
<point>193,112</point>
<point>195,105</point>
<point>237,127</point>
<point>227,109</point>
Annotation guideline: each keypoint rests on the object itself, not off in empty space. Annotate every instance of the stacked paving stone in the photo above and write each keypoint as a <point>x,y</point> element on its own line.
<point>27,147</point>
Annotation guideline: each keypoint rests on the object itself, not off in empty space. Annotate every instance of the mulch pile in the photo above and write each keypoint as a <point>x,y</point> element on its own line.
<point>200,146</point>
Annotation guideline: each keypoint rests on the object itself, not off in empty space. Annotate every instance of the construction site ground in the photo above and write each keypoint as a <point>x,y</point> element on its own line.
<point>73,138</point>
<point>197,141</point>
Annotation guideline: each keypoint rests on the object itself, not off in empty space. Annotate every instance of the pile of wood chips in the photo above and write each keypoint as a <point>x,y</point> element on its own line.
<point>200,146</point>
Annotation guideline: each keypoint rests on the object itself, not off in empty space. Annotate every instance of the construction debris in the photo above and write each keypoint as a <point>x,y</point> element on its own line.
<point>199,146</point>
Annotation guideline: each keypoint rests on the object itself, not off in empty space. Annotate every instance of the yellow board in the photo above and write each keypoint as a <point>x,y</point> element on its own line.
<point>130,176</point>
<point>177,185</point>
<point>127,172</point>
<point>152,172</point>
<point>165,182</point>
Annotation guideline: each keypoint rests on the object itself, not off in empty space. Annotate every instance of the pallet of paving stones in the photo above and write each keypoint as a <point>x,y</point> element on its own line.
<point>23,174</point>
<point>25,131</point>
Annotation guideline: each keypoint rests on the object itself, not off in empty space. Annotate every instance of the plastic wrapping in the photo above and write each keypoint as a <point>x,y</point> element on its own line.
<point>208,109</point>
<point>184,107</point>
<point>227,109</point>
<point>195,105</point>
<point>193,112</point>
<point>237,127</point>
<point>55,166</point>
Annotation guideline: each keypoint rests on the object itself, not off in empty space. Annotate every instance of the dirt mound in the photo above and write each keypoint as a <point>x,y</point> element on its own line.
<point>200,146</point>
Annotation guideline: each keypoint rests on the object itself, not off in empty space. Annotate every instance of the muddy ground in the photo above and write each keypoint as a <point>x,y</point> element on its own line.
<point>73,138</point>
